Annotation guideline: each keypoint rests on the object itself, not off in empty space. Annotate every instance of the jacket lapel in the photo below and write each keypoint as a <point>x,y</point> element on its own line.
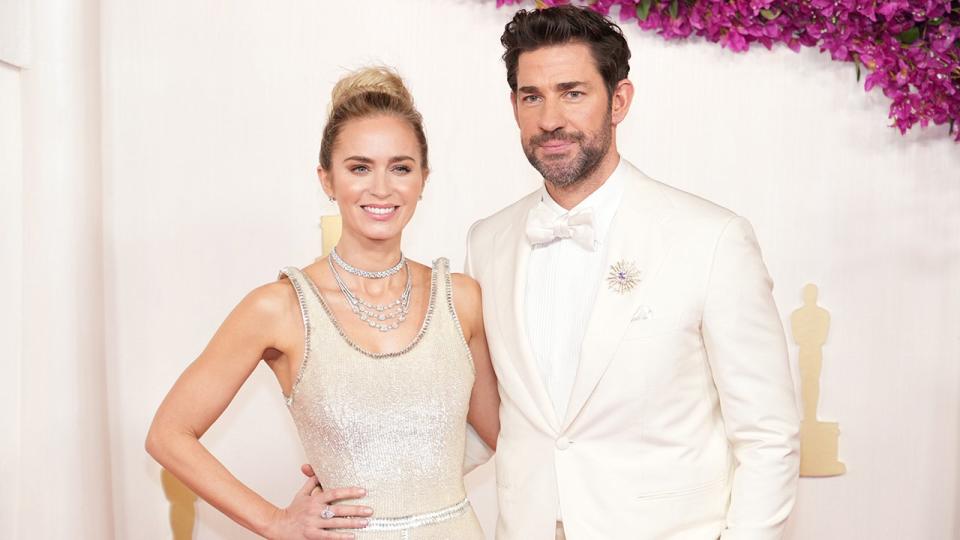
<point>510,279</point>
<point>636,236</point>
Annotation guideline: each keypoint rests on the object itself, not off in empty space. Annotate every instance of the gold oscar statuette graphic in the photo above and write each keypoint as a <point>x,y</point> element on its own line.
<point>330,228</point>
<point>819,441</point>
<point>183,510</point>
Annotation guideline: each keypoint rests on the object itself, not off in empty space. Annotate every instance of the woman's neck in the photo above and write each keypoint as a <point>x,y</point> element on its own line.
<point>371,256</point>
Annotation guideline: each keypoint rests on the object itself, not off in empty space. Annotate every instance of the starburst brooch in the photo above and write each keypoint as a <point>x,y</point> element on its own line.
<point>623,277</point>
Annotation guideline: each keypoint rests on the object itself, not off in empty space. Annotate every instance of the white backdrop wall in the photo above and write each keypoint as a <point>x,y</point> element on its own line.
<point>55,461</point>
<point>208,124</point>
<point>13,55</point>
<point>11,279</point>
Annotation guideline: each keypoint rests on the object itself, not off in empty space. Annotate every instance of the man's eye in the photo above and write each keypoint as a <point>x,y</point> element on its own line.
<point>530,99</point>
<point>575,94</point>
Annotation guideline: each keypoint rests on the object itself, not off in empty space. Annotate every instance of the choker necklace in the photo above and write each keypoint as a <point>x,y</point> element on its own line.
<point>335,257</point>
<point>383,317</point>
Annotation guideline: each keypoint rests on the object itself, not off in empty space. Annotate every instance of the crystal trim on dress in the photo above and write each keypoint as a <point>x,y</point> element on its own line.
<point>417,520</point>
<point>292,274</point>
<point>453,310</point>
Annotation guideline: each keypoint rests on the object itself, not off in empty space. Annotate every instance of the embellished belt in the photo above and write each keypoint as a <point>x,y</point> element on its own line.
<point>413,521</point>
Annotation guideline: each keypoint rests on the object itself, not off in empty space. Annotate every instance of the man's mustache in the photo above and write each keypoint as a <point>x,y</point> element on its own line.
<point>562,136</point>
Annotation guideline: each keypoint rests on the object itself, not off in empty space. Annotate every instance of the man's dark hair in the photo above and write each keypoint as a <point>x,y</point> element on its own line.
<point>533,29</point>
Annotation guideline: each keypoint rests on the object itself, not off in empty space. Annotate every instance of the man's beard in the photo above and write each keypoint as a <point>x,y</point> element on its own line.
<point>562,173</point>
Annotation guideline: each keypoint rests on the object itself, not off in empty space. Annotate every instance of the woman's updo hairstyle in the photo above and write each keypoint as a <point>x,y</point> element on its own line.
<point>370,91</point>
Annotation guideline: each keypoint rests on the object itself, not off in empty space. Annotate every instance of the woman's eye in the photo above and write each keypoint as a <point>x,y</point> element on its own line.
<point>359,169</point>
<point>401,169</point>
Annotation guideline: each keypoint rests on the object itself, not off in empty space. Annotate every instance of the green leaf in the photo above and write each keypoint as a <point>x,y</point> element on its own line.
<point>909,36</point>
<point>643,9</point>
<point>770,14</point>
<point>674,9</point>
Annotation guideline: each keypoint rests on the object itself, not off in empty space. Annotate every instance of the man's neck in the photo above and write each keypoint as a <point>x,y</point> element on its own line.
<point>570,196</point>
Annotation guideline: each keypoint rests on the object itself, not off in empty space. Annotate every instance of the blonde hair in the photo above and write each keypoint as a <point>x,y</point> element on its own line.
<point>370,91</point>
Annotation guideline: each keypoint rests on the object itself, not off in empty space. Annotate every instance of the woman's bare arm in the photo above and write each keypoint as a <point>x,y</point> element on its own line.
<point>202,393</point>
<point>484,414</point>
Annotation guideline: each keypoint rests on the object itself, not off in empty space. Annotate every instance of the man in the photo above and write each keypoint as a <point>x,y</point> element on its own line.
<point>644,379</point>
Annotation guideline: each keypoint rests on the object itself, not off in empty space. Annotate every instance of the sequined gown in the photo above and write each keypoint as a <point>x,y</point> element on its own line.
<point>393,423</point>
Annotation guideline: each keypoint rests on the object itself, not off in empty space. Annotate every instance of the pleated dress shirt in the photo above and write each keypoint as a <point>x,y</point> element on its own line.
<point>562,283</point>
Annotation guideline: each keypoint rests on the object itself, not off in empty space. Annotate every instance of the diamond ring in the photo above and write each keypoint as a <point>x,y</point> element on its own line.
<point>327,513</point>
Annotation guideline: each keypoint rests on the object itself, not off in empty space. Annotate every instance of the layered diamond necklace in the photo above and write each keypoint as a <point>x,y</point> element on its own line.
<point>383,317</point>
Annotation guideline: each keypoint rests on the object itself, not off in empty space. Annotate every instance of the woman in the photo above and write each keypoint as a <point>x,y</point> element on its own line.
<point>382,360</point>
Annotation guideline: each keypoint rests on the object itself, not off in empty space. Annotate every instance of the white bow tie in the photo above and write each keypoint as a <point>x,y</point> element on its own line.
<point>544,226</point>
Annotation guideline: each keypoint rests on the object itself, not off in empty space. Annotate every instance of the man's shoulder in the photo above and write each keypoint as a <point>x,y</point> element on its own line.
<point>511,214</point>
<point>684,206</point>
<point>694,206</point>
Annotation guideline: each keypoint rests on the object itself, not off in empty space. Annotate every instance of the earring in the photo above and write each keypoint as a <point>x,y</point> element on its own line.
<point>331,198</point>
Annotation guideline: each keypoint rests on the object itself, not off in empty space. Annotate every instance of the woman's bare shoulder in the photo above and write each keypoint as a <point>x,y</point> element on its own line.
<point>271,301</point>
<point>468,303</point>
<point>466,287</point>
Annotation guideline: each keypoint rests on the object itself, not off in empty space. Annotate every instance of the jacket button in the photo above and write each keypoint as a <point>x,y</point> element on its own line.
<point>563,443</point>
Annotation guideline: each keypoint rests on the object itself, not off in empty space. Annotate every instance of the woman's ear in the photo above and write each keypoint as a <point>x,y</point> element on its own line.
<point>326,182</point>
<point>426,173</point>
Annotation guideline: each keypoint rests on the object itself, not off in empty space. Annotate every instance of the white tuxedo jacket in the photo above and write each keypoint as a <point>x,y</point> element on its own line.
<point>682,423</point>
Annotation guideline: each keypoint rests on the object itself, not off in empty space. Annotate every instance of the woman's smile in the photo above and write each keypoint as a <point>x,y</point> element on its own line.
<point>380,212</point>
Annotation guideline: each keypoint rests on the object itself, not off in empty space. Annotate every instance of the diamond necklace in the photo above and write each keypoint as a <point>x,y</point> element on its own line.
<point>335,257</point>
<point>383,317</point>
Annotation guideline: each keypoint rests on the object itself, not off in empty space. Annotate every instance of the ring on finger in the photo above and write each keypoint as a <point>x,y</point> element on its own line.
<point>328,513</point>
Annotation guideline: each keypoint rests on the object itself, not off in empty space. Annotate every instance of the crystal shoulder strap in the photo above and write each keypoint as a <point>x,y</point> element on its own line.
<point>442,267</point>
<point>300,287</point>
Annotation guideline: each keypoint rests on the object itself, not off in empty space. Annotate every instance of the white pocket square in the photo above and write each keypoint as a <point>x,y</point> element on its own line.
<point>643,313</point>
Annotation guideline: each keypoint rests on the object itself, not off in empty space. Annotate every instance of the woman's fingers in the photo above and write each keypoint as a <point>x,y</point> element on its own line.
<point>338,494</point>
<point>343,523</point>
<point>321,534</point>
<point>351,510</point>
<point>331,535</point>
<point>308,487</point>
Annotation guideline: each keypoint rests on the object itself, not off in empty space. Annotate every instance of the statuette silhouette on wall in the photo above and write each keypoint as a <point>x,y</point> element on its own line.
<point>183,510</point>
<point>330,229</point>
<point>819,441</point>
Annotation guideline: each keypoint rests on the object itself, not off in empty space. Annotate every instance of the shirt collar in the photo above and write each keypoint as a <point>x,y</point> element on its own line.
<point>604,201</point>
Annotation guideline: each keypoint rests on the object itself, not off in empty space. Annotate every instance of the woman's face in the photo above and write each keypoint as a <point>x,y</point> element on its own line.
<point>376,175</point>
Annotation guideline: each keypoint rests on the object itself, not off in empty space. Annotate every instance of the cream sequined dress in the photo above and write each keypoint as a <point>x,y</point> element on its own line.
<point>393,423</point>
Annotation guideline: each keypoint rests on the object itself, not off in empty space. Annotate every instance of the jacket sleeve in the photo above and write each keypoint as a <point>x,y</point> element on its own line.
<point>477,452</point>
<point>747,353</point>
<point>468,268</point>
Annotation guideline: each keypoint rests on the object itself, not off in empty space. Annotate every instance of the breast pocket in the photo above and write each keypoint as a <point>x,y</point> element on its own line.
<point>649,322</point>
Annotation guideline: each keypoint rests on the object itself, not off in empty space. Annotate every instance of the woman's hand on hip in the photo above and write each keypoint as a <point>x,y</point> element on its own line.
<point>313,511</point>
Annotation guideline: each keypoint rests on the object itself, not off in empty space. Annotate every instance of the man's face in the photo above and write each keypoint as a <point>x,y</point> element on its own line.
<point>563,111</point>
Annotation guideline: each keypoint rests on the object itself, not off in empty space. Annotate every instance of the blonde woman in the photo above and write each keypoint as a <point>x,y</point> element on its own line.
<point>382,360</point>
